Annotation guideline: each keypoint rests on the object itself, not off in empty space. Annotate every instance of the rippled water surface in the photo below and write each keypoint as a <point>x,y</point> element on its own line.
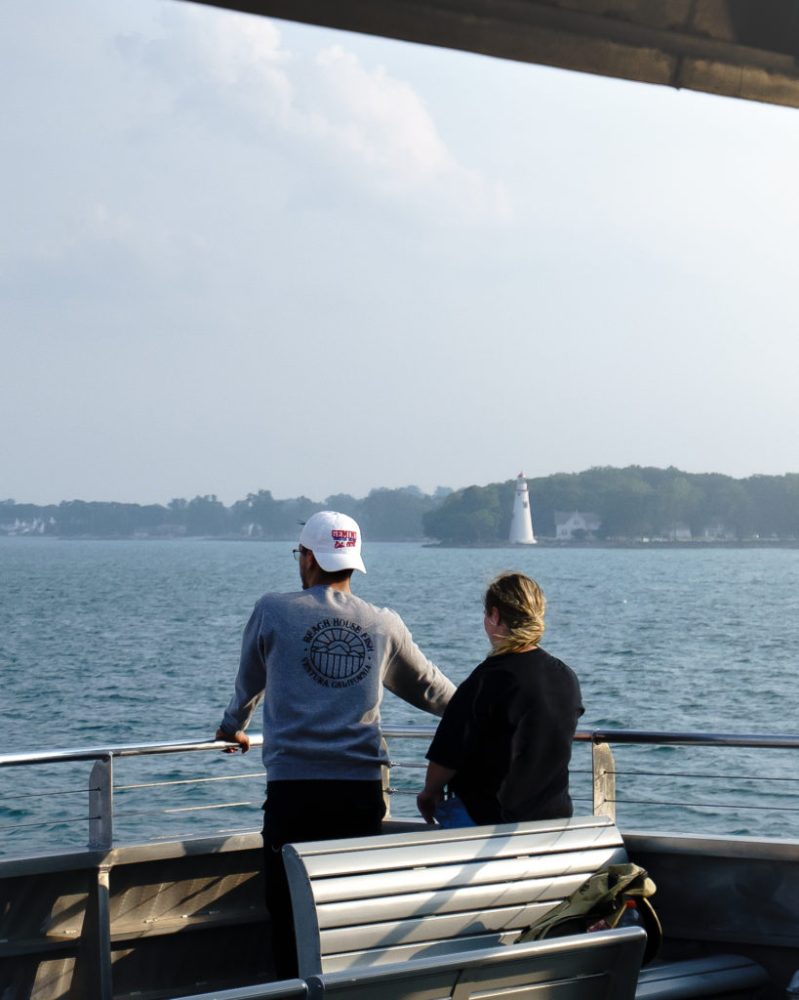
<point>137,641</point>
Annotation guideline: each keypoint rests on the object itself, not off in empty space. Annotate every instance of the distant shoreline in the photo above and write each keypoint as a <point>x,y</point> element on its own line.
<point>543,543</point>
<point>755,543</point>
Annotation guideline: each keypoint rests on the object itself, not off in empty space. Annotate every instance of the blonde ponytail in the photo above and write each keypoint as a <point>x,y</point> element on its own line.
<point>521,605</point>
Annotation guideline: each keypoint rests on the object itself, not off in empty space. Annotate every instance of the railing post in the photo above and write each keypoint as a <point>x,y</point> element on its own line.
<point>93,975</point>
<point>101,804</point>
<point>385,775</point>
<point>604,772</point>
<point>94,972</point>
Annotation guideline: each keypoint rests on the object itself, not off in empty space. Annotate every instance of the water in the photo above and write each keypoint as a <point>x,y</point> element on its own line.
<point>137,641</point>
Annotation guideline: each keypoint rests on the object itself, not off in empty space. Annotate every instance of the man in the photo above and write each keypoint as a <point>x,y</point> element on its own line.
<point>320,658</point>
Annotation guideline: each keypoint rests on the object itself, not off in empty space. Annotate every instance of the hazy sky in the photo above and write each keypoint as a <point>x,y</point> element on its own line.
<point>240,254</point>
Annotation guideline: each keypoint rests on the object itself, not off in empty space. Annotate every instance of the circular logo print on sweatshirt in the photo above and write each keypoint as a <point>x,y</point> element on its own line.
<point>338,654</point>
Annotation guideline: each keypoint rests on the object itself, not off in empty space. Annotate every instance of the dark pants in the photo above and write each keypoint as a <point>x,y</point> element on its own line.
<point>295,811</point>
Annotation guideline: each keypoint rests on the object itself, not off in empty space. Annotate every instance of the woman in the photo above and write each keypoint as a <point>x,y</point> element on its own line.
<point>504,742</point>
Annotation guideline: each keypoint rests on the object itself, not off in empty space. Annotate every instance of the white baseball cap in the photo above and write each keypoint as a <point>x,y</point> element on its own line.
<point>335,541</point>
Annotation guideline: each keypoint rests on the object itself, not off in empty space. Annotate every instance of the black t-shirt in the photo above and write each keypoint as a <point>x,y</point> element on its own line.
<point>508,733</point>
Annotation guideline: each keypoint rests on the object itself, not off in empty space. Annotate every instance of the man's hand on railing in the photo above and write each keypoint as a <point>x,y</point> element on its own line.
<point>241,738</point>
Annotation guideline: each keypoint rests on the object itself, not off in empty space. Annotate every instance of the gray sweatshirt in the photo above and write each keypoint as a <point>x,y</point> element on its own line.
<point>320,659</point>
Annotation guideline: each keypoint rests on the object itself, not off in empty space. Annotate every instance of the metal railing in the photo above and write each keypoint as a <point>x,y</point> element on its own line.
<point>101,789</point>
<point>646,778</point>
<point>742,783</point>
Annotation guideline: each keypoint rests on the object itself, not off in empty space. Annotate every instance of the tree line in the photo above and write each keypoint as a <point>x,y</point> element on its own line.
<point>631,503</point>
<point>385,514</point>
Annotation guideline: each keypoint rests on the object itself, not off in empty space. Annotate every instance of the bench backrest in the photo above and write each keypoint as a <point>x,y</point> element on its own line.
<point>600,966</point>
<point>378,900</point>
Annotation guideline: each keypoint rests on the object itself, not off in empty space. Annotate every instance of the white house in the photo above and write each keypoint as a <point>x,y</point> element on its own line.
<point>579,524</point>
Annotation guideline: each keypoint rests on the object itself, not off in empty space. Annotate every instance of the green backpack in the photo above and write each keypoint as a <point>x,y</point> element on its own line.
<point>617,894</point>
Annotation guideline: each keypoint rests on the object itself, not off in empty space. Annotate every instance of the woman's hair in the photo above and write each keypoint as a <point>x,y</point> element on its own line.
<point>521,605</point>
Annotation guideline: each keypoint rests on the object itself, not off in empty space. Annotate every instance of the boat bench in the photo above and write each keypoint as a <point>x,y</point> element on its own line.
<point>602,966</point>
<point>597,967</point>
<point>440,896</point>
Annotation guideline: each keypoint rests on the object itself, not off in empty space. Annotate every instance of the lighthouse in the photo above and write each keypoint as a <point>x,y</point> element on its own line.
<point>521,525</point>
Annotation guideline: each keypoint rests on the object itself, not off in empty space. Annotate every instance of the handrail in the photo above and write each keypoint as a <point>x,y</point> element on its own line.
<point>774,741</point>
<point>123,750</point>
<point>103,792</point>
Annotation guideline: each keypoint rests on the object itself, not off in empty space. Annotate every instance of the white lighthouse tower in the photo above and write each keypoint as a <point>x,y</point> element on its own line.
<point>521,525</point>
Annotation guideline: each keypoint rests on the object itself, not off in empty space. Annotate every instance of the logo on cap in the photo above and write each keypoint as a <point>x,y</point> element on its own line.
<point>344,539</point>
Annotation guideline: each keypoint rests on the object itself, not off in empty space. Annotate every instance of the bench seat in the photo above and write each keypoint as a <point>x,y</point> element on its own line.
<point>383,900</point>
<point>452,899</point>
<point>429,915</point>
<point>603,966</point>
<point>597,967</point>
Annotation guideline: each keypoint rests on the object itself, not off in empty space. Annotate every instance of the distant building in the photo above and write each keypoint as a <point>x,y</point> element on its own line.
<point>717,530</point>
<point>521,525</point>
<point>679,532</point>
<point>575,525</point>
<point>36,526</point>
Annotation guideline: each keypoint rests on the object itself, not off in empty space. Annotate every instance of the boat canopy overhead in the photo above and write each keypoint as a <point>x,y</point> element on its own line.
<point>735,48</point>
